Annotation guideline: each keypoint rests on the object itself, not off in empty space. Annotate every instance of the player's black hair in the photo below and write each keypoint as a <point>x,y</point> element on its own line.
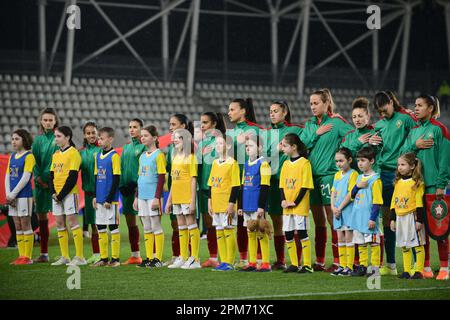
<point>246,104</point>
<point>67,132</point>
<point>284,105</point>
<point>154,132</point>
<point>88,124</point>
<point>218,119</point>
<point>432,101</point>
<point>367,153</point>
<point>48,111</point>
<point>183,119</point>
<point>294,139</point>
<point>141,123</point>
<point>345,152</point>
<point>109,131</point>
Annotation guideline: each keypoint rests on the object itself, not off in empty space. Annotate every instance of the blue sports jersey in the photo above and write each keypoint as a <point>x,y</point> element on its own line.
<point>148,175</point>
<point>362,207</point>
<point>105,177</point>
<point>252,186</point>
<point>16,169</point>
<point>341,190</point>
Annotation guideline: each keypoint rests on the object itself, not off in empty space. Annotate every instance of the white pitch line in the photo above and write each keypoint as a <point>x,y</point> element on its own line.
<point>309,294</point>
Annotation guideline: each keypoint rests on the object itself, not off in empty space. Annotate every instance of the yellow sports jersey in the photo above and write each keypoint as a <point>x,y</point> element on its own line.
<point>223,177</point>
<point>183,169</point>
<point>294,176</point>
<point>351,182</point>
<point>405,199</point>
<point>62,164</point>
<point>265,171</point>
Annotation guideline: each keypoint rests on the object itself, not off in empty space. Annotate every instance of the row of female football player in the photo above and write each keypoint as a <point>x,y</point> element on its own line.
<point>326,166</point>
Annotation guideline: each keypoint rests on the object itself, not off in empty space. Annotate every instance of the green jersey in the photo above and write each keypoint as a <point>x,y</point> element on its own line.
<point>43,149</point>
<point>394,132</point>
<point>435,160</point>
<point>322,149</point>
<point>88,154</point>
<point>205,155</point>
<point>129,162</point>
<point>244,127</point>
<point>169,165</point>
<point>275,134</point>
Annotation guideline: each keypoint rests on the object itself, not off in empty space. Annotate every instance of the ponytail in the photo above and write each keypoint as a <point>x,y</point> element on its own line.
<point>284,105</point>
<point>434,102</point>
<point>383,98</point>
<point>154,132</point>
<point>246,104</point>
<point>395,102</point>
<point>218,119</point>
<point>325,96</point>
<point>67,132</point>
<point>293,139</point>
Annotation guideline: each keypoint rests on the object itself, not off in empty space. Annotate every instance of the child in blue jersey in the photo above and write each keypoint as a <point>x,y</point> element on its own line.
<point>152,175</point>
<point>343,183</point>
<point>367,199</point>
<point>255,190</point>
<point>19,193</point>
<point>106,201</point>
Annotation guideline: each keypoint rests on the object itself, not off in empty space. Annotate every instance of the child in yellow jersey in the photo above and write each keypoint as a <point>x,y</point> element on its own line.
<point>295,185</point>
<point>224,183</point>
<point>182,199</point>
<point>19,193</point>
<point>63,184</point>
<point>343,183</point>
<point>407,213</point>
<point>255,191</point>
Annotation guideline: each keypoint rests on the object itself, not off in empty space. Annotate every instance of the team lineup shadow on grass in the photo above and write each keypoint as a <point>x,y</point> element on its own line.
<point>42,281</point>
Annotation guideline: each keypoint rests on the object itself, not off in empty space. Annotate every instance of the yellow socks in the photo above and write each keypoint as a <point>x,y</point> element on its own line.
<point>28,239</point>
<point>230,239</point>
<point>363,250</point>
<point>149,243</point>
<point>221,245</point>
<point>20,243</point>
<point>350,255</point>
<point>115,244</point>
<point>159,242</point>
<point>184,242</point>
<point>77,234</point>
<point>407,256</point>
<point>103,244</point>
<point>265,248</point>
<point>420,258</point>
<point>342,249</point>
<point>63,239</point>
<point>375,255</point>
<point>292,250</point>
<point>306,252</point>
<point>252,246</point>
<point>194,237</point>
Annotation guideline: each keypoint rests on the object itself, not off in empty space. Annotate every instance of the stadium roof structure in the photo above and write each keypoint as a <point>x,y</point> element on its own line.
<point>304,12</point>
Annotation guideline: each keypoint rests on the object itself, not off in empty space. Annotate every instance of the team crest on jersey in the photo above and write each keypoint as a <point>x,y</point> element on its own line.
<point>216,182</point>
<point>14,172</point>
<point>399,123</point>
<point>430,135</point>
<point>248,181</point>
<point>290,183</point>
<point>401,202</point>
<point>58,167</point>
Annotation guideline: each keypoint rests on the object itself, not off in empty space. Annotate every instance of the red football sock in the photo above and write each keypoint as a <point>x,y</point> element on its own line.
<point>278,242</point>
<point>443,252</point>
<point>94,242</point>
<point>175,243</point>
<point>356,261</point>
<point>212,242</point>
<point>242,238</point>
<point>44,233</point>
<point>298,243</point>
<point>427,251</point>
<point>334,245</point>
<point>321,242</point>
<point>133,237</point>
<point>381,249</point>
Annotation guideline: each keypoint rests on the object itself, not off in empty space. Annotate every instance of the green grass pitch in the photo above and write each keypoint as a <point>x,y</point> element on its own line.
<point>129,282</point>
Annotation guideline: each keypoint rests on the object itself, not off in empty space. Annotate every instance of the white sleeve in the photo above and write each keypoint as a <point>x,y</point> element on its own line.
<point>22,183</point>
<point>7,187</point>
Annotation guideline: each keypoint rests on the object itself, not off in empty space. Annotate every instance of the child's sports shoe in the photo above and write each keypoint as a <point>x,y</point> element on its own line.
<point>361,271</point>
<point>77,261</point>
<point>388,271</point>
<point>278,266</point>
<point>318,267</point>
<point>146,263</point>
<point>305,269</point>
<point>100,263</point>
<point>191,263</point>
<point>93,259</point>
<point>265,267</point>
<point>338,271</point>
<point>291,269</point>
<point>114,263</point>
<point>219,267</point>
<point>346,272</point>
<point>332,268</point>
<point>240,264</point>
<point>178,263</point>
<point>416,275</point>
<point>61,262</point>
<point>24,261</point>
<point>443,275</point>
<point>227,267</point>
<point>210,263</point>
<point>156,263</point>
<point>404,275</point>
<point>249,268</point>
<point>18,259</point>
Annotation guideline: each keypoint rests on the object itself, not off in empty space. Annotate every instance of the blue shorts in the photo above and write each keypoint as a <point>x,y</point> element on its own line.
<point>387,179</point>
